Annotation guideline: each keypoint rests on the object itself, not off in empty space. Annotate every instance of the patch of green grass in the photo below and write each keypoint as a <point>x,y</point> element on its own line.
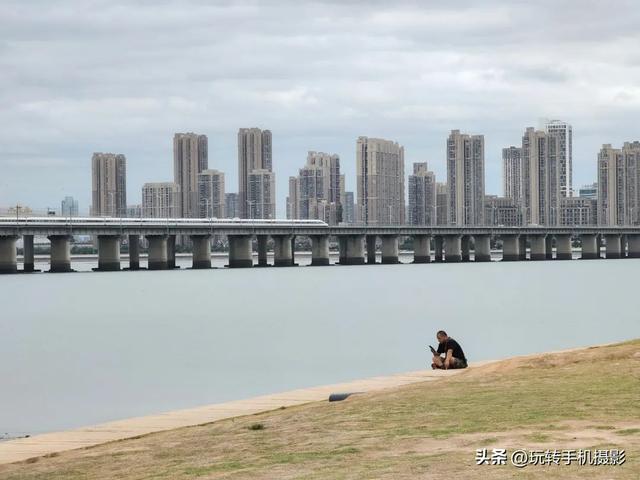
<point>629,431</point>
<point>256,426</point>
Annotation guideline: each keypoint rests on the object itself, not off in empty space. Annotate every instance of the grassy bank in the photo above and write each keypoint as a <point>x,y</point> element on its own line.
<point>584,399</point>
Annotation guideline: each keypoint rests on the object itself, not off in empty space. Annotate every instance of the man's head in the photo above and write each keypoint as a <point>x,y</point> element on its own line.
<point>441,336</point>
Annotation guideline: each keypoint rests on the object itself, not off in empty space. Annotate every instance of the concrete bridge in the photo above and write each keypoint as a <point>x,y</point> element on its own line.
<point>357,244</point>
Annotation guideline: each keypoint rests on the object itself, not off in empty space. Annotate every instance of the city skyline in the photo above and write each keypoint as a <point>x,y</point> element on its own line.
<point>410,72</point>
<point>501,186</point>
<point>543,146</point>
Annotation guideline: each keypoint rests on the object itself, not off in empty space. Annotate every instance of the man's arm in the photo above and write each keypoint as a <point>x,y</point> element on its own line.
<point>448,358</point>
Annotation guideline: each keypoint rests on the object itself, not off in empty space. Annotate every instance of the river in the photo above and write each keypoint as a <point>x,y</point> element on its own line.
<point>83,348</point>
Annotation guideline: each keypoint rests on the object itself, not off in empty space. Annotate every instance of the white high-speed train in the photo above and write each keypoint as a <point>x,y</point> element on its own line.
<point>173,221</point>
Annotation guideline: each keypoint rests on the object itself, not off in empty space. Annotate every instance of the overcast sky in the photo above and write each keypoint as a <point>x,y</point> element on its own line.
<point>123,76</point>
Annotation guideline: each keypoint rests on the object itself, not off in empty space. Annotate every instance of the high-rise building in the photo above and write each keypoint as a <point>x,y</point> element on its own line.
<point>161,200</point>
<point>564,134</point>
<point>442,203</point>
<point>211,194</point>
<point>465,178</point>
<point>502,211</point>
<point>589,191</point>
<point>576,211</point>
<point>380,181</point>
<point>254,155</point>
<point>262,194</point>
<point>422,196</point>
<point>109,185</point>
<point>349,210</point>
<point>292,199</point>
<point>231,205</point>
<point>540,177</point>
<point>316,192</point>
<point>69,207</point>
<point>134,211</point>
<point>619,185</point>
<point>512,172</point>
<point>190,157</point>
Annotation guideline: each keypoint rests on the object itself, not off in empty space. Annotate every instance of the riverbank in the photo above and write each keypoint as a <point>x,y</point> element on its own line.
<point>584,398</point>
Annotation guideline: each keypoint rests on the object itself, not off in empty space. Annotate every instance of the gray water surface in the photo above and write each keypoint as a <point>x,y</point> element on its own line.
<point>83,348</point>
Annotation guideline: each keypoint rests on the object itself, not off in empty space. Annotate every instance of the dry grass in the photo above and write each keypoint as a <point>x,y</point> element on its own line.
<point>584,399</point>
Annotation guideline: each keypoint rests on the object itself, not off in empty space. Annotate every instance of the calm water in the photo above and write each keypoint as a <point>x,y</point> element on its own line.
<point>83,348</point>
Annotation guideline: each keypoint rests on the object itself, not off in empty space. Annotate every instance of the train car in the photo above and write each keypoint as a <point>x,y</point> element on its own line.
<point>50,220</point>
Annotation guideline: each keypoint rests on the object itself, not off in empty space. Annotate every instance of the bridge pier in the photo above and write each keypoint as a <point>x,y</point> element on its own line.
<point>157,252</point>
<point>614,247</point>
<point>201,248</point>
<point>538,247</point>
<point>563,247</point>
<point>60,253</point>
<point>134,252</point>
<point>354,250</point>
<point>465,244</point>
<point>389,249</point>
<point>482,248</point>
<point>590,247</point>
<point>371,248</point>
<point>319,250</point>
<point>510,248</point>
<point>240,255</point>
<point>342,249</point>
<point>522,247</point>
<point>633,242</point>
<point>28,253</point>
<point>108,253</point>
<point>262,251</point>
<point>293,251</point>
<point>171,251</point>
<point>548,243</point>
<point>421,249</point>
<point>282,250</point>
<point>8,254</point>
<point>452,248</point>
<point>438,244</point>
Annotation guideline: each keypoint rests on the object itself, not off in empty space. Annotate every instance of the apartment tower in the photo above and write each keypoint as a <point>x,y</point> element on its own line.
<point>211,194</point>
<point>109,185</point>
<point>465,178</point>
<point>380,181</point>
<point>190,157</point>
<point>255,158</point>
<point>422,196</point>
<point>512,173</point>
<point>564,135</point>
<point>161,200</point>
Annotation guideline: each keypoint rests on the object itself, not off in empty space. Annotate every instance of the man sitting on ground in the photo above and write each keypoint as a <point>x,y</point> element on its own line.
<point>453,354</point>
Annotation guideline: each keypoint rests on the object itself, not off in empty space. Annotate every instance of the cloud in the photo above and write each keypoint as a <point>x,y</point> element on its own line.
<point>113,75</point>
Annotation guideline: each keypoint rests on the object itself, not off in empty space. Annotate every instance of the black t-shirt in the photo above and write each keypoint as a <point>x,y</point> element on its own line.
<point>451,344</point>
